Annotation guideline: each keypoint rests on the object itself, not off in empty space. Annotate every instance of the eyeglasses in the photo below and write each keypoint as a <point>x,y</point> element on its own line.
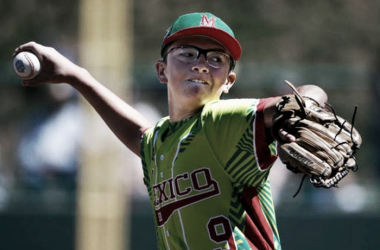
<point>216,59</point>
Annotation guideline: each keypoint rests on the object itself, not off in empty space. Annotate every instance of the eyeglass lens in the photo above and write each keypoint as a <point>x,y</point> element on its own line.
<point>214,58</point>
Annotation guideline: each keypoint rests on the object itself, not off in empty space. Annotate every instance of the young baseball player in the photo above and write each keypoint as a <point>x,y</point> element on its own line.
<point>206,164</point>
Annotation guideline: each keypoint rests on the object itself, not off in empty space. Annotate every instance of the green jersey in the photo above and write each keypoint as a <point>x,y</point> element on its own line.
<point>207,178</point>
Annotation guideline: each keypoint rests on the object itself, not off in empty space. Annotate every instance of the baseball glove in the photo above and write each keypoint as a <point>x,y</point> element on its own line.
<point>325,143</point>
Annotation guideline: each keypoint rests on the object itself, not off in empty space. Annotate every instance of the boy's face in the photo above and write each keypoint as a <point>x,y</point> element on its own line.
<point>196,82</point>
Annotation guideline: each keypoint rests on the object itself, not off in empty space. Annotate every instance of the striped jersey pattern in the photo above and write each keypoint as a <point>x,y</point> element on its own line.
<point>207,178</point>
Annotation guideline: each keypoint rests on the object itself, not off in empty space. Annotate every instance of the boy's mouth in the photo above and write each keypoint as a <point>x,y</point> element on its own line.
<point>197,81</point>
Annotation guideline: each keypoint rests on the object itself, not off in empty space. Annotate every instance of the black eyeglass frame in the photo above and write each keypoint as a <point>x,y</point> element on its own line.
<point>201,52</point>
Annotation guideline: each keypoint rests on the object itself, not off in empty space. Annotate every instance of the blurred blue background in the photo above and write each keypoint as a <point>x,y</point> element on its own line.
<point>333,44</point>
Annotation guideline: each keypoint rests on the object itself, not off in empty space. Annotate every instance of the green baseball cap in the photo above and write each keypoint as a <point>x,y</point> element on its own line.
<point>203,24</point>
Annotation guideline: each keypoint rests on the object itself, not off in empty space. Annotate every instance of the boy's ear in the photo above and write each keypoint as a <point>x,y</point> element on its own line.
<point>160,70</point>
<point>231,78</point>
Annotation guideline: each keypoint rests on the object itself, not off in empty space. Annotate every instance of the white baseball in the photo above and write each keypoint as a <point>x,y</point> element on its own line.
<point>26,65</point>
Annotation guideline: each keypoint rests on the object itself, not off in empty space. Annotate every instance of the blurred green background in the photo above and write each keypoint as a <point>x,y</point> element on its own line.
<point>333,44</point>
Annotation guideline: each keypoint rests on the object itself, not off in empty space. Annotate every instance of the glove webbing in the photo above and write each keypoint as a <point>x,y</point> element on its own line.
<point>333,181</point>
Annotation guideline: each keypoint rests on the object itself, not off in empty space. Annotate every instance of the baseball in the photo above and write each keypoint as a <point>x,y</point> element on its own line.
<point>26,65</point>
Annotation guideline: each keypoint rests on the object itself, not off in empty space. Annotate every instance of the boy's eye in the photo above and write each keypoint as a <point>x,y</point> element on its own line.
<point>214,58</point>
<point>187,54</point>
<point>217,57</point>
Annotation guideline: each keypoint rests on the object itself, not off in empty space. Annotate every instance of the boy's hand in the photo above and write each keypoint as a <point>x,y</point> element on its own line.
<point>55,68</point>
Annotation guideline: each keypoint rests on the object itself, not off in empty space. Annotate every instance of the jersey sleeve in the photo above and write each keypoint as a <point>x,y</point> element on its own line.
<point>239,140</point>
<point>146,153</point>
<point>264,144</point>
